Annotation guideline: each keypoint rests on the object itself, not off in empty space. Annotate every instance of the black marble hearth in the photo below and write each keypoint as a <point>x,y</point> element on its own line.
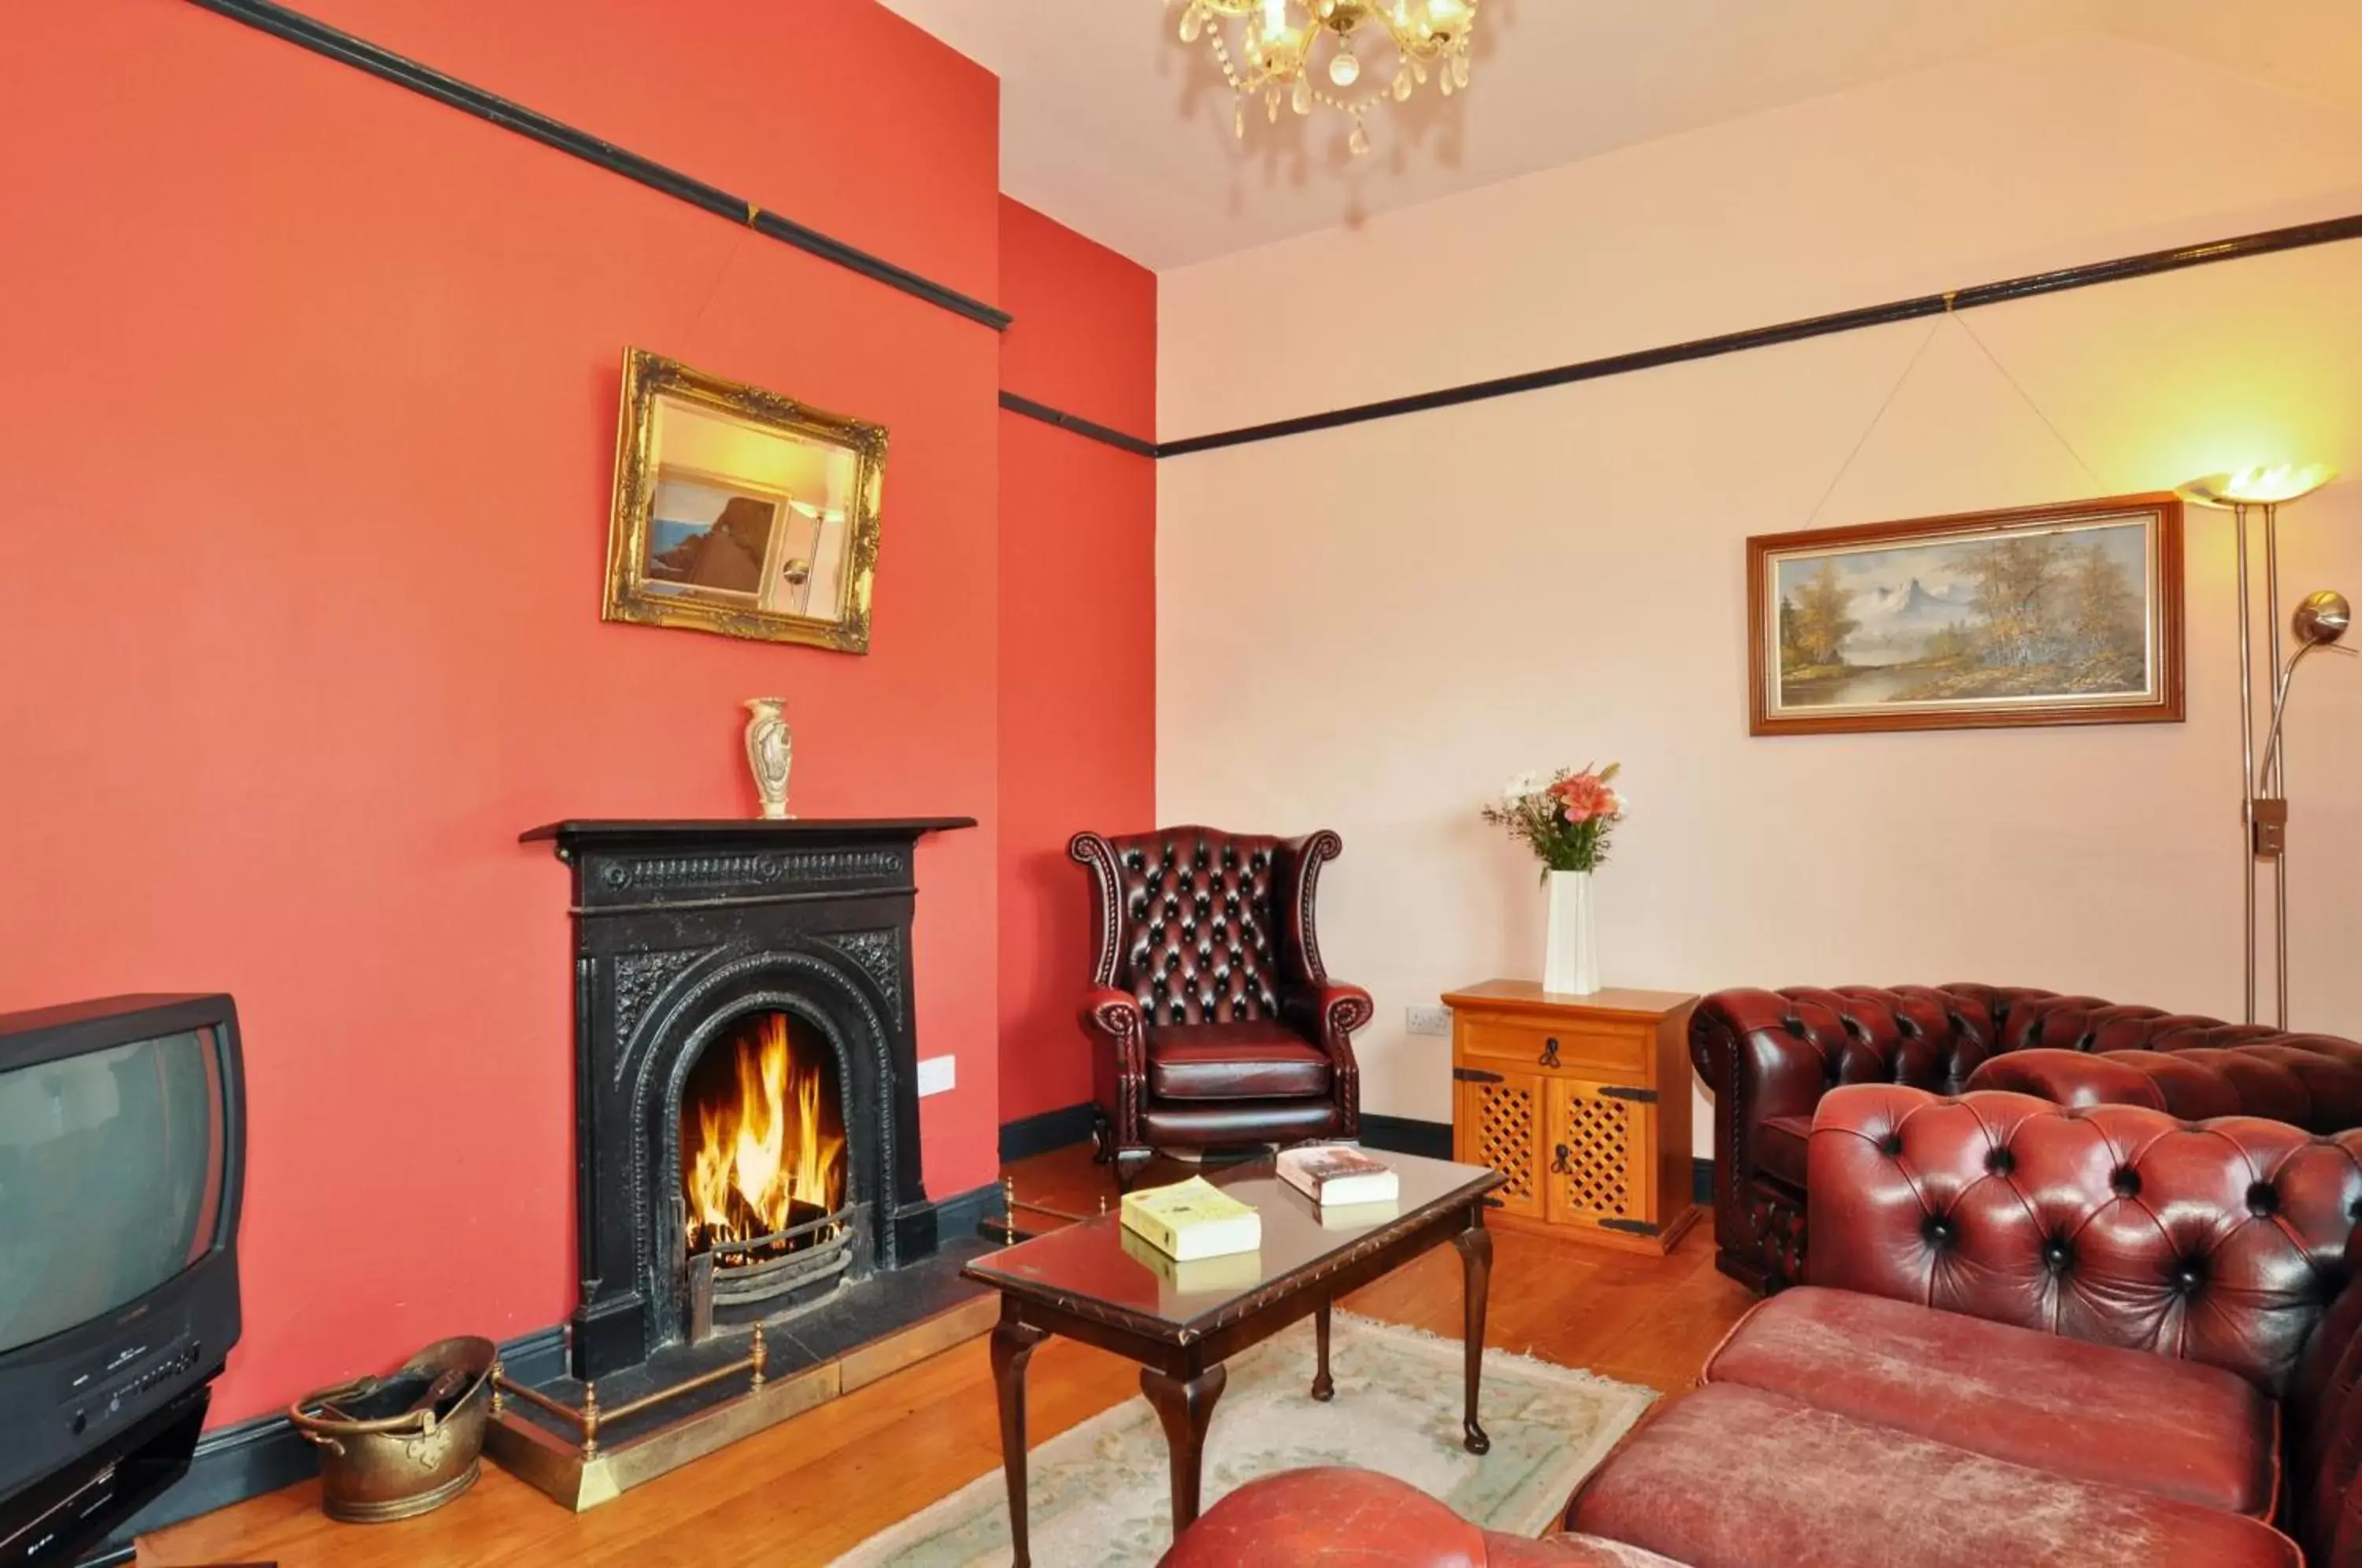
<point>684,931</point>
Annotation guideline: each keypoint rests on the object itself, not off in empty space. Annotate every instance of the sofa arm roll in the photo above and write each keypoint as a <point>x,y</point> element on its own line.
<point>1327,1014</point>
<point>2219,1241</point>
<point>1105,1010</point>
<point>1771,1053</point>
<point>1764,1050</point>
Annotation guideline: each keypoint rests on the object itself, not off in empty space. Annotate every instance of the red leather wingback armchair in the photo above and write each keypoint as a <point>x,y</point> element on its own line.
<point>1769,1056</point>
<point>1217,1023</point>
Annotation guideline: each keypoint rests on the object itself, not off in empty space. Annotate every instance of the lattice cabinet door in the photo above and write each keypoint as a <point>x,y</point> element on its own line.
<point>1500,1124</point>
<point>1600,1158</point>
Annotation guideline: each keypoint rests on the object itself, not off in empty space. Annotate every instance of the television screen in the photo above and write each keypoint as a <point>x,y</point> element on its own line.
<point>111,1168</point>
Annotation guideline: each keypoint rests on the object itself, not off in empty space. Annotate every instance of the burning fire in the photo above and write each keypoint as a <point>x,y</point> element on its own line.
<point>771,1156</point>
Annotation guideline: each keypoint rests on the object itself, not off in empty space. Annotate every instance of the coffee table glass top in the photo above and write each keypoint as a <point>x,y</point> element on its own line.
<point>1098,1261</point>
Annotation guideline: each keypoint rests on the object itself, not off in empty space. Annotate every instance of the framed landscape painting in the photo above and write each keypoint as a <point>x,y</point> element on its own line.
<point>2066,614</point>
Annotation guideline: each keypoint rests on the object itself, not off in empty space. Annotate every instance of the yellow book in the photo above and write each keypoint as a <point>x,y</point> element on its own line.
<point>1192,1219</point>
<point>1231,1272</point>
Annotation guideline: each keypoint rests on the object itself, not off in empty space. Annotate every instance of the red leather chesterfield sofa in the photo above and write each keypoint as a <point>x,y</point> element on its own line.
<point>2036,1336</point>
<point>1767,1057</point>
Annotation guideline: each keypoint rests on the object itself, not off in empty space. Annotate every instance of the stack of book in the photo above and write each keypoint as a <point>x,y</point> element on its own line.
<point>1192,1219</point>
<point>1350,1188</point>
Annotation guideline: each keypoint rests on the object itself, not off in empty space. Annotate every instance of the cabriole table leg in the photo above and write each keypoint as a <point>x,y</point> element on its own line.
<point>1475,1244</point>
<point>1012,1346</point>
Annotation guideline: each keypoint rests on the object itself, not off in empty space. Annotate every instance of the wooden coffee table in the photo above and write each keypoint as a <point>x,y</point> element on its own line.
<point>1085,1283</point>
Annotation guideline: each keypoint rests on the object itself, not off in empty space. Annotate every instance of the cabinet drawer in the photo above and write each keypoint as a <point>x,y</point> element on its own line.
<point>1531,1043</point>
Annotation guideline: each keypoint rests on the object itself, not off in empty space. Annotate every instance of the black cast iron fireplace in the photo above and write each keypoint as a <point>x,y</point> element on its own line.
<point>746,1074</point>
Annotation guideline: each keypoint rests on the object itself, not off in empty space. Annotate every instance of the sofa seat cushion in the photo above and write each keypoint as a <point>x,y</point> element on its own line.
<point>2128,1418</point>
<point>1237,1123</point>
<point>1257,1059</point>
<point>1780,1147</point>
<point>1737,1477</point>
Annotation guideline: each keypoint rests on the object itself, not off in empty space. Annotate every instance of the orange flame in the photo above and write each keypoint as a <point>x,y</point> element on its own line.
<point>775,1148</point>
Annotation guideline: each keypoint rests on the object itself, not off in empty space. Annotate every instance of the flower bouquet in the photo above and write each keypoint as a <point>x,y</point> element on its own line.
<point>1566,819</point>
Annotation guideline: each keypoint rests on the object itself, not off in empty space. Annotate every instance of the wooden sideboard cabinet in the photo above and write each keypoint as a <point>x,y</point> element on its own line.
<point>1583,1102</point>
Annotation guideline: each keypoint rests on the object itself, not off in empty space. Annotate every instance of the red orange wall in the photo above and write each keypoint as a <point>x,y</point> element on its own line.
<point>1077,628</point>
<point>305,452</point>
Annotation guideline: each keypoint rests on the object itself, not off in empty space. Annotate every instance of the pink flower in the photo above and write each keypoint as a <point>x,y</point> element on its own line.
<point>1584,797</point>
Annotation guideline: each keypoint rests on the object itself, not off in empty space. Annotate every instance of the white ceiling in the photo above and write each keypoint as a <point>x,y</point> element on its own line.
<point>1114,126</point>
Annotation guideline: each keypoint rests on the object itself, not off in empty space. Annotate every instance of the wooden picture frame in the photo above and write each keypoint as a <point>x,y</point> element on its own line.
<point>740,511</point>
<point>2061,614</point>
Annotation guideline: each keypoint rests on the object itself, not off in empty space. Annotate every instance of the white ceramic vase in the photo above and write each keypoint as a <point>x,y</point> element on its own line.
<point>770,752</point>
<point>1571,961</point>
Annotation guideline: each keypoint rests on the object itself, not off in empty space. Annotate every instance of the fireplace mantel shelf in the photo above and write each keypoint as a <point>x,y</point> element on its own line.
<point>744,832</point>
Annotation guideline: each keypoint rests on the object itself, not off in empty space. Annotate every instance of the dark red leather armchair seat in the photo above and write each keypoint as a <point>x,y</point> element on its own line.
<point>1252,1060</point>
<point>1780,1148</point>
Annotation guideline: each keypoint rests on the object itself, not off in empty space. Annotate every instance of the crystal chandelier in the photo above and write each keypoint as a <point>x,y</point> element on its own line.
<point>1274,58</point>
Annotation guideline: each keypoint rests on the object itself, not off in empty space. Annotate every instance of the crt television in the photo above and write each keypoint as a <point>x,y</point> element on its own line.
<point>122,1153</point>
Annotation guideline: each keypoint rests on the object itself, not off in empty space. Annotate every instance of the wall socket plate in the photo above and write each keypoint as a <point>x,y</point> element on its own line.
<point>937,1074</point>
<point>1426,1020</point>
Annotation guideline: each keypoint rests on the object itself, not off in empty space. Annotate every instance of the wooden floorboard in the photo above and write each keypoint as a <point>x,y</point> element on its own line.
<point>813,1487</point>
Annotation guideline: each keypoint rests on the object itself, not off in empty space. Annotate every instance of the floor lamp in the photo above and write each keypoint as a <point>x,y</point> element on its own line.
<point>2318,622</point>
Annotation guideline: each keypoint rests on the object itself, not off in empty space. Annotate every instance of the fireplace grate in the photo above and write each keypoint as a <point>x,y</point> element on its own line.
<point>761,1278</point>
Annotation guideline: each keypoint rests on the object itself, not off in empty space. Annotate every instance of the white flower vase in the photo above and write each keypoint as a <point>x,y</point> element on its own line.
<point>1571,961</point>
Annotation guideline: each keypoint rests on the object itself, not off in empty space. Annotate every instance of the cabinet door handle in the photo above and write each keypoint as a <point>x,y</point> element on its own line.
<point>1474,1075</point>
<point>1617,1091</point>
<point>1550,1052</point>
<point>1558,1164</point>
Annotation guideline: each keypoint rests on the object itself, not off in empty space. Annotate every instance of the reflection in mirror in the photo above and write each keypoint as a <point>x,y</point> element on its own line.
<point>741,512</point>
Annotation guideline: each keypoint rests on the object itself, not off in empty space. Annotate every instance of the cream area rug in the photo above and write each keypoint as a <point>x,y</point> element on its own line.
<point>1100,1492</point>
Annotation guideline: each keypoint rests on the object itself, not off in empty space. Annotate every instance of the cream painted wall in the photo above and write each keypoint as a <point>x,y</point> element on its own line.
<point>1370,628</point>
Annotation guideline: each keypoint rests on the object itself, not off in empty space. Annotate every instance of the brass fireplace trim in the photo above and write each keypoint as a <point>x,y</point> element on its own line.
<point>1011,1232</point>
<point>583,1474</point>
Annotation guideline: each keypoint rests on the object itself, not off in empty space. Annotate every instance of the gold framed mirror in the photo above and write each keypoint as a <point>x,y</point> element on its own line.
<point>741,512</point>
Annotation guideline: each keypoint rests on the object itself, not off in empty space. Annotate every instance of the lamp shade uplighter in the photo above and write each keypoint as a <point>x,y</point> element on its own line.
<point>2258,486</point>
<point>2322,617</point>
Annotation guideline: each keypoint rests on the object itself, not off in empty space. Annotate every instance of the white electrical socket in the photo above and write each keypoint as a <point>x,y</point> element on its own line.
<point>1426,1020</point>
<point>937,1074</point>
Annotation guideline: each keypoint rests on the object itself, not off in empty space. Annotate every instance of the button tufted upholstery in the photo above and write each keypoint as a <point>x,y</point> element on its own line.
<point>2220,1241</point>
<point>2035,1334</point>
<point>2229,1243</point>
<point>1767,1057</point>
<point>1219,1022</point>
